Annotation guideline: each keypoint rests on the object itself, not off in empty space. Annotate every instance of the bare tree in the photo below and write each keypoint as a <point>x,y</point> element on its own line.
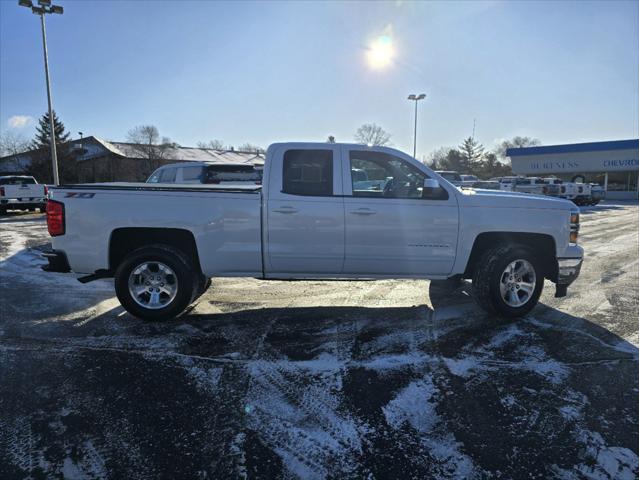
<point>12,143</point>
<point>515,142</point>
<point>146,141</point>
<point>250,147</point>
<point>371,134</point>
<point>212,144</point>
<point>437,158</point>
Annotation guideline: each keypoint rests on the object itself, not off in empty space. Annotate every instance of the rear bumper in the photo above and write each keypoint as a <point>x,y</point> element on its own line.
<point>57,262</point>
<point>21,203</point>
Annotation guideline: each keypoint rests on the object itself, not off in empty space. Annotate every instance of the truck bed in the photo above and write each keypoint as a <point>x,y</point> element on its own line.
<point>196,187</point>
<point>225,222</point>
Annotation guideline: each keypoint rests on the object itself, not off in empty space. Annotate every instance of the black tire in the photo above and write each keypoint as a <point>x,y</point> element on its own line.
<point>42,209</point>
<point>3,210</point>
<point>186,276</point>
<point>487,277</point>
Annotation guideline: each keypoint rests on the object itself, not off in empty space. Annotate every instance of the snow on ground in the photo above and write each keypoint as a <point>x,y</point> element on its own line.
<point>389,379</point>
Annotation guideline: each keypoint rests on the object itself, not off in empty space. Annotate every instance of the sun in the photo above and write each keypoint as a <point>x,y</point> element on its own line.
<point>381,52</point>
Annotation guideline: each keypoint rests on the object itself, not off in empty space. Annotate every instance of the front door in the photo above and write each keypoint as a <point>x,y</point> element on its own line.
<point>305,212</point>
<point>390,228</point>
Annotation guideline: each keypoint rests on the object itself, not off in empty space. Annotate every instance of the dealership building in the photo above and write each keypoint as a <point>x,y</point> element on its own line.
<point>613,164</point>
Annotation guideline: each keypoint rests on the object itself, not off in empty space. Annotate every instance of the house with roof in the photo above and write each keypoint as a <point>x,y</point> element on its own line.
<point>98,160</point>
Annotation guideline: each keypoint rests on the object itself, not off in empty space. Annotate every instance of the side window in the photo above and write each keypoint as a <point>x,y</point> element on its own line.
<point>155,178</point>
<point>308,172</point>
<point>168,175</point>
<point>376,174</point>
<point>192,174</point>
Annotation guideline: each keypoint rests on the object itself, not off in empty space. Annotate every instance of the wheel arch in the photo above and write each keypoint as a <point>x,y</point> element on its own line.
<point>542,244</point>
<point>127,239</point>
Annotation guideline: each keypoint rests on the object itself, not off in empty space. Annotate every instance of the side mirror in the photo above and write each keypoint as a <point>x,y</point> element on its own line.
<point>431,188</point>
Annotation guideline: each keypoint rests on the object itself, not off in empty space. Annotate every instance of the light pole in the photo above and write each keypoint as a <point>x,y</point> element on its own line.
<point>44,8</point>
<point>416,98</point>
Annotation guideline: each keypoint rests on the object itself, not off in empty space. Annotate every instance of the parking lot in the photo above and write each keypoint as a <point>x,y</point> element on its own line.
<point>269,379</point>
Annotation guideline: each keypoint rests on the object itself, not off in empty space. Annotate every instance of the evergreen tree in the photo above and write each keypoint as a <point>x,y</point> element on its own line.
<point>43,132</point>
<point>472,152</point>
<point>41,159</point>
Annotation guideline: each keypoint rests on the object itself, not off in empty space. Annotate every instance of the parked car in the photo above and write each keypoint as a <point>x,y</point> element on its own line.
<point>21,192</point>
<point>453,177</point>
<point>522,184</point>
<point>229,174</point>
<point>487,184</point>
<point>597,192</point>
<point>163,242</point>
<point>468,180</point>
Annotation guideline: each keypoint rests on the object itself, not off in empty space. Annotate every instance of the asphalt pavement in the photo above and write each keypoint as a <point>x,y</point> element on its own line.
<point>269,379</point>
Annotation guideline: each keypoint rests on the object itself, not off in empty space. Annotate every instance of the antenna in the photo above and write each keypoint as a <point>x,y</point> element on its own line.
<point>474,123</point>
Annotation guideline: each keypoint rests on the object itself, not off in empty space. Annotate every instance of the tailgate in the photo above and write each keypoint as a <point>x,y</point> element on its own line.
<point>24,191</point>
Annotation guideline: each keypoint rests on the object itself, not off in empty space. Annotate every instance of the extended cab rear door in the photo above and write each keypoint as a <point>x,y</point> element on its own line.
<point>304,211</point>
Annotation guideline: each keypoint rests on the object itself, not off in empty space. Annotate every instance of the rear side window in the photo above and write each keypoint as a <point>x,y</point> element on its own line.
<point>190,174</point>
<point>168,175</point>
<point>233,173</point>
<point>308,172</point>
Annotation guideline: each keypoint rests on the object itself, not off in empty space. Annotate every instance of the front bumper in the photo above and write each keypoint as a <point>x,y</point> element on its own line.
<point>568,270</point>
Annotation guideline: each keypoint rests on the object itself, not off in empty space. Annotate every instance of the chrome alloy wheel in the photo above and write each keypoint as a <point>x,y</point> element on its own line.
<point>517,283</point>
<point>153,285</point>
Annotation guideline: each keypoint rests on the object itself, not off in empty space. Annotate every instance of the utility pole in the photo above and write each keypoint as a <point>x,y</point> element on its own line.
<point>416,98</point>
<point>44,8</point>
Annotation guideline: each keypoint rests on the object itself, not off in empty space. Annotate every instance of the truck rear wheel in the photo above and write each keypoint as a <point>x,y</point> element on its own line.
<point>508,281</point>
<point>156,282</point>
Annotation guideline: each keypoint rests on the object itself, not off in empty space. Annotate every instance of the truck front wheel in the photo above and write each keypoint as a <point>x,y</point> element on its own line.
<point>156,282</point>
<point>508,281</point>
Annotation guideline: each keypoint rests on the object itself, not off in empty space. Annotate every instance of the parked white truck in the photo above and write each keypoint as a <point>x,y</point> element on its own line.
<point>314,218</point>
<point>21,192</point>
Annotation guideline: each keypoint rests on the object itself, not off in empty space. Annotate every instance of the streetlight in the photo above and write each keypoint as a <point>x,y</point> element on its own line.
<point>44,8</point>
<point>416,98</point>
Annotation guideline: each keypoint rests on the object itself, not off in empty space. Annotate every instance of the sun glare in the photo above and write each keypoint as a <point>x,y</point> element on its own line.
<point>381,52</point>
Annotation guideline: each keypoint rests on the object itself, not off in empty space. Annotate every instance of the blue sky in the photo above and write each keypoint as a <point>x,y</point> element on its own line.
<point>262,72</point>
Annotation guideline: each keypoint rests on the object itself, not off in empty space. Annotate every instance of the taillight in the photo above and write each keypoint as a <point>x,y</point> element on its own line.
<point>55,218</point>
<point>1,191</point>
<point>46,190</point>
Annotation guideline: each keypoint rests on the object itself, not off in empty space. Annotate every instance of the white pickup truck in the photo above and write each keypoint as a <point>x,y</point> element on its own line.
<point>314,218</point>
<point>21,192</point>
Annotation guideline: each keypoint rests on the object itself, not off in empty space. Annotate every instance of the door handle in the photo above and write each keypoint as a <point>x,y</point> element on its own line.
<point>363,211</point>
<point>286,210</point>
